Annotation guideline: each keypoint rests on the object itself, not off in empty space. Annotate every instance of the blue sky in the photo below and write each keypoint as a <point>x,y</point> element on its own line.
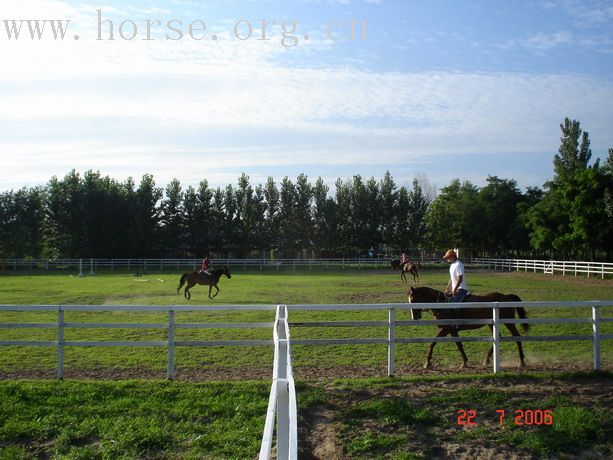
<point>440,89</point>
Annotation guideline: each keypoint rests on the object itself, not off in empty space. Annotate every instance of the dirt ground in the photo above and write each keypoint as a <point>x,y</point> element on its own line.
<point>302,373</point>
<point>322,427</point>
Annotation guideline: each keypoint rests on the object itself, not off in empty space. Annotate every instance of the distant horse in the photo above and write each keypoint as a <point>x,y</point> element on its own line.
<point>429,295</point>
<point>407,267</point>
<point>211,280</point>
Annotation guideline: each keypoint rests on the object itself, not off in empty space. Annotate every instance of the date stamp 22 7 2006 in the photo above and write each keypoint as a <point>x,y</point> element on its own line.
<point>521,417</point>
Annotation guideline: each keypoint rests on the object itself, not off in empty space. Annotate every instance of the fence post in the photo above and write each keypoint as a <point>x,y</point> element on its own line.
<point>91,266</point>
<point>496,337</point>
<point>282,387</point>
<point>80,267</point>
<point>171,345</point>
<point>596,332</point>
<point>391,337</point>
<point>60,343</point>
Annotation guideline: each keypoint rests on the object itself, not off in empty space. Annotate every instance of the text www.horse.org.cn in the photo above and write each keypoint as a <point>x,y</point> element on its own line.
<point>285,31</point>
<point>243,29</point>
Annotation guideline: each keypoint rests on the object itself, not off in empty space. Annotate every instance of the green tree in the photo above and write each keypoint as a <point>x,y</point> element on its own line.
<point>324,220</point>
<point>453,219</point>
<point>65,213</point>
<point>569,221</point>
<point>418,207</point>
<point>303,213</point>
<point>172,220</point>
<point>498,201</point>
<point>402,220</point>
<point>271,214</point>
<point>21,223</point>
<point>144,228</point>
<point>389,196</point>
<point>250,209</point>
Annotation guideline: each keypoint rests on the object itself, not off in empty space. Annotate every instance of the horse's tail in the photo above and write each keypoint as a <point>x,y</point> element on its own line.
<point>182,281</point>
<point>521,312</point>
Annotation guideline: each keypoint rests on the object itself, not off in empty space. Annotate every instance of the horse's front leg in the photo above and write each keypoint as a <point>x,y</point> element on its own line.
<point>461,348</point>
<point>441,333</point>
<point>217,290</point>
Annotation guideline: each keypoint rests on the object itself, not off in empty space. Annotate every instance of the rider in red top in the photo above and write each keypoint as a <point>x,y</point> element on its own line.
<point>404,259</point>
<point>205,265</point>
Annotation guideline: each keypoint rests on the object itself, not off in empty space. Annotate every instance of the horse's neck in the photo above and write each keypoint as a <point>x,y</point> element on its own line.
<point>437,296</point>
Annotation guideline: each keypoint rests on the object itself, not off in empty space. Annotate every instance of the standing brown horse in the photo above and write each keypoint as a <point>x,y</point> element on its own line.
<point>211,280</point>
<point>429,295</point>
<point>407,267</point>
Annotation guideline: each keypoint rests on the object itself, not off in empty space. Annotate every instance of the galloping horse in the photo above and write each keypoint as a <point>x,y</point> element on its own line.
<point>429,295</point>
<point>211,280</point>
<point>407,267</point>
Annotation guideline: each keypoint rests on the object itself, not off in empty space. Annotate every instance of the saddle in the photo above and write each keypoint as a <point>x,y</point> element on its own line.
<point>455,313</point>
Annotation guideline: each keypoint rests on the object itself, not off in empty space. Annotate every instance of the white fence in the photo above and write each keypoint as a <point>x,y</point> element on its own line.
<point>91,266</point>
<point>548,266</point>
<point>282,400</point>
<point>595,319</point>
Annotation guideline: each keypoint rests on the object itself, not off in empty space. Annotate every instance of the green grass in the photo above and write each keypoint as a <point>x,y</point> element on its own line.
<point>131,419</point>
<point>299,287</point>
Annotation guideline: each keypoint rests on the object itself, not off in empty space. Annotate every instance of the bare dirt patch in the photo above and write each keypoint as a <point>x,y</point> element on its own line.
<point>302,373</point>
<point>324,432</point>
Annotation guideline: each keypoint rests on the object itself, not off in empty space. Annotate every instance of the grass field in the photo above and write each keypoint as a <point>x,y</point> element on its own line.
<point>131,419</point>
<point>369,418</point>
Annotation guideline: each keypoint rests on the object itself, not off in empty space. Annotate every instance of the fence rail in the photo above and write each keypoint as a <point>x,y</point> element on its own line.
<point>595,319</point>
<point>549,267</point>
<point>282,401</point>
<point>91,266</point>
<point>282,405</point>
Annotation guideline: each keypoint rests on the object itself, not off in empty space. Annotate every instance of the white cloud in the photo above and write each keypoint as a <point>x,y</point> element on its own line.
<point>191,109</point>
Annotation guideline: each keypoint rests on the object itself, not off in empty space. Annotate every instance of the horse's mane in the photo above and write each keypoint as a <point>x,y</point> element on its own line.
<point>426,289</point>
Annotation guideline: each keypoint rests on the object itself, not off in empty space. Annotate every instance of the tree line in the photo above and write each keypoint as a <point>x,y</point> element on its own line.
<point>91,215</point>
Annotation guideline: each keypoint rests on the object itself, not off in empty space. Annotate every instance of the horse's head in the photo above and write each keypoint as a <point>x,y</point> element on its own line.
<point>226,272</point>
<point>415,312</point>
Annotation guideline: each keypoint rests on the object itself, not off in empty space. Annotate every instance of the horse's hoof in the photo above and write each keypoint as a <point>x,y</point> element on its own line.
<point>522,365</point>
<point>463,366</point>
<point>428,366</point>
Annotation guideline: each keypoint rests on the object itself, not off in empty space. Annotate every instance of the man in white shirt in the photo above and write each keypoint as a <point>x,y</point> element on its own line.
<point>457,286</point>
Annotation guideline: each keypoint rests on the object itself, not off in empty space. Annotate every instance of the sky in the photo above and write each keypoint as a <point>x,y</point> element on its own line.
<point>329,88</point>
